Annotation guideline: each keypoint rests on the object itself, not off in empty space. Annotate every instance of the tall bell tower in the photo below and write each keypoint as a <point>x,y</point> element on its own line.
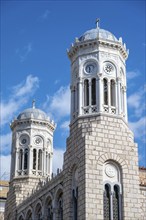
<point>32,151</point>
<point>101,160</point>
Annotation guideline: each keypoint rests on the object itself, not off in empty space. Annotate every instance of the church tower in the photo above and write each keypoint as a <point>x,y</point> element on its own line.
<point>101,160</point>
<point>31,155</point>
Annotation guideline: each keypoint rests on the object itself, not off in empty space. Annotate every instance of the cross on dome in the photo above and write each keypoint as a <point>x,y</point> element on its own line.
<point>97,22</point>
<point>33,103</point>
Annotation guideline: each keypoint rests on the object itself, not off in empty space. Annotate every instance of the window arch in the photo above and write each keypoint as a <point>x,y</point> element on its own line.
<point>86,92</point>
<point>93,84</point>
<point>112,194</point>
<point>59,203</point>
<point>105,91</point>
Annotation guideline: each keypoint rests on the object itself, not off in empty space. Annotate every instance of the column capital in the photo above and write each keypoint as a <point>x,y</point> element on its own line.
<point>118,79</point>
<point>99,75</point>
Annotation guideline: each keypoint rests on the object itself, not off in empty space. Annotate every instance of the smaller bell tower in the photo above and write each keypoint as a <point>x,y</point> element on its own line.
<point>32,151</point>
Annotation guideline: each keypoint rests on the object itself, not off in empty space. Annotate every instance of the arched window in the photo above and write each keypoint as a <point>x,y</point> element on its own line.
<point>20,159</point>
<point>21,218</point>
<point>107,202</point>
<point>112,86</point>
<point>48,209</point>
<point>93,92</point>
<point>75,203</point>
<point>112,191</point>
<point>38,212</point>
<point>86,92</point>
<point>60,208</point>
<point>105,90</point>
<point>116,203</point>
<point>40,160</point>
<point>25,159</point>
<point>29,215</point>
<point>34,159</point>
<point>75,193</point>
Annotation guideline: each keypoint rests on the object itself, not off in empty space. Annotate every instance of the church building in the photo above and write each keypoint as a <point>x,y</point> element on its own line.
<point>101,179</point>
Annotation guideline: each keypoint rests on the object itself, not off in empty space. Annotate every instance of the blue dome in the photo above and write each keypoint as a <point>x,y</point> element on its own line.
<point>32,113</point>
<point>97,33</point>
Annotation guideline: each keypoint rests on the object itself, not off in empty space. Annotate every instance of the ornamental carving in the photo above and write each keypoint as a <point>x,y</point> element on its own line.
<point>110,171</point>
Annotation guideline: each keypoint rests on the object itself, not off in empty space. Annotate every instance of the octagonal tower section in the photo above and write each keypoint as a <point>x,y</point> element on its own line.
<point>31,155</point>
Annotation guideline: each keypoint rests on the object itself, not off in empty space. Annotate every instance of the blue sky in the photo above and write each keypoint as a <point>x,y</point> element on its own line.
<point>34,62</point>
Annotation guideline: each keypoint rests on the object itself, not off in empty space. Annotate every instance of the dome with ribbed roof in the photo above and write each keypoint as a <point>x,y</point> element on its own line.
<point>32,113</point>
<point>97,33</point>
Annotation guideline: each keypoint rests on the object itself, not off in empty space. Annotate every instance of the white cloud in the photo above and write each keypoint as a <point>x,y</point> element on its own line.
<point>57,159</point>
<point>58,105</point>
<point>139,128</point>
<point>5,162</point>
<point>65,125</point>
<point>132,74</point>
<point>136,101</point>
<point>20,95</point>
<point>24,52</point>
<point>5,142</point>
<point>27,87</point>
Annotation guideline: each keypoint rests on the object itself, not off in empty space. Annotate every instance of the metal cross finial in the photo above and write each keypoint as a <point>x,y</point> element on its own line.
<point>33,103</point>
<point>97,22</point>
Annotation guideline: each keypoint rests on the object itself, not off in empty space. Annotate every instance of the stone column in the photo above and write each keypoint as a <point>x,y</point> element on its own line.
<point>90,94</point>
<point>97,94</point>
<point>116,97</point>
<point>109,96</point>
<point>30,160</point>
<point>100,92</point>
<point>80,97</point>
<point>71,104</point>
<point>125,104</point>
<point>119,95</point>
<point>16,162</point>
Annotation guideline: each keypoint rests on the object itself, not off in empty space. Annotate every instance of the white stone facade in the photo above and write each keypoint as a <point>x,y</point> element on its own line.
<point>100,177</point>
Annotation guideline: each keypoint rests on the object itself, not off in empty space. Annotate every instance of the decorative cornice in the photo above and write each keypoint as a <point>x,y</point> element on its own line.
<point>105,43</point>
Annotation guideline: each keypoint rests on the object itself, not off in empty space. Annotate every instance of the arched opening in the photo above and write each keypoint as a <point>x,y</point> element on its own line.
<point>112,191</point>
<point>40,160</point>
<point>93,102</point>
<point>49,209</point>
<point>75,193</point>
<point>20,159</point>
<point>21,218</point>
<point>75,203</point>
<point>112,87</point>
<point>34,159</point>
<point>116,203</point>
<point>107,202</point>
<point>38,212</point>
<point>105,91</point>
<point>29,215</point>
<point>60,207</point>
<point>86,92</point>
<point>25,159</point>
<point>59,204</point>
